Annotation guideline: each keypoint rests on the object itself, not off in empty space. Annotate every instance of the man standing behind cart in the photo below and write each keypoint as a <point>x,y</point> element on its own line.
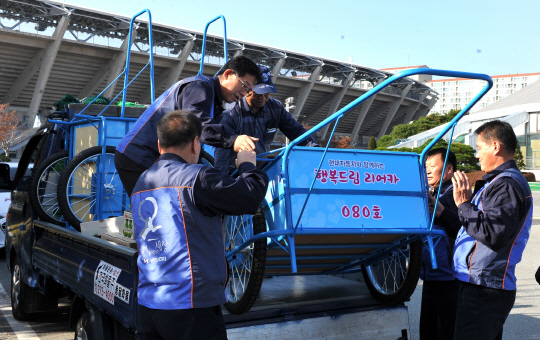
<point>259,116</point>
<point>439,290</point>
<point>177,206</point>
<point>496,221</point>
<point>202,95</point>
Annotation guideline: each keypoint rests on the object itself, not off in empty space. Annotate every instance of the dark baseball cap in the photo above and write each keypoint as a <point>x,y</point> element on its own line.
<point>266,86</point>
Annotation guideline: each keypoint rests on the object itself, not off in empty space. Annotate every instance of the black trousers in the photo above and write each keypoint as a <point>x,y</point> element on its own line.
<point>482,311</point>
<point>182,324</point>
<point>438,310</point>
<point>128,170</point>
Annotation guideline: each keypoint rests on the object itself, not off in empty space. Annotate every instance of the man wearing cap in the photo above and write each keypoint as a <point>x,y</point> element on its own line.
<point>260,116</point>
<point>201,95</point>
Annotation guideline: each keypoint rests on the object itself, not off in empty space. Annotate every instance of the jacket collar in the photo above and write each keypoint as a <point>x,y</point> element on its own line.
<point>246,108</point>
<point>171,157</point>
<point>217,91</point>
<point>494,173</point>
<point>444,187</point>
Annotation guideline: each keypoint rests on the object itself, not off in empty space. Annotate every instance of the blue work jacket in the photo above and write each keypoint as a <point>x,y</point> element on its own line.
<point>200,95</point>
<point>444,248</point>
<point>496,227</point>
<point>262,125</point>
<point>176,210</point>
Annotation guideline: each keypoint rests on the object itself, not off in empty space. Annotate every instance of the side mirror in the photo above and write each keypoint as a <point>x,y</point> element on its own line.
<point>5,179</point>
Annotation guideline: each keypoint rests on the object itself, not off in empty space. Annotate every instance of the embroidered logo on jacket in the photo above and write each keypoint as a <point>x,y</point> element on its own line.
<point>148,222</point>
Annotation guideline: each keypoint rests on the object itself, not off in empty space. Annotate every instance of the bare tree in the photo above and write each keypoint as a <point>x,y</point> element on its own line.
<point>8,124</point>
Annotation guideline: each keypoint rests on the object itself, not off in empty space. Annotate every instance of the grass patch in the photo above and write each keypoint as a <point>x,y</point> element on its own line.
<point>535,186</point>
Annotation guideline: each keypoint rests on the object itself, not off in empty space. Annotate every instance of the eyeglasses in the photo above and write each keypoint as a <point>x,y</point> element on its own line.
<point>244,85</point>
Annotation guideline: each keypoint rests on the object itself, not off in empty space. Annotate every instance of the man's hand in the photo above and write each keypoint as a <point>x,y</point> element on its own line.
<point>431,203</point>
<point>462,188</point>
<point>245,156</point>
<point>244,142</point>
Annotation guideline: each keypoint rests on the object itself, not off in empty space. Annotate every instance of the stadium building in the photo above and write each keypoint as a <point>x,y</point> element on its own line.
<point>51,48</point>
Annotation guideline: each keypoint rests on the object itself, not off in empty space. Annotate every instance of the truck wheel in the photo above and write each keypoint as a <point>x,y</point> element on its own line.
<point>19,291</point>
<point>44,188</point>
<point>393,280</point>
<point>246,268</point>
<point>79,197</point>
<point>84,330</point>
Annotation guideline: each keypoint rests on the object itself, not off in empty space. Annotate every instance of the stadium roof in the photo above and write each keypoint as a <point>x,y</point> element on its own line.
<point>82,51</point>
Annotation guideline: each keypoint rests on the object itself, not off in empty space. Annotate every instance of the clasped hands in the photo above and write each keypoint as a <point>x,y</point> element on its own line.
<point>462,188</point>
<point>462,193</point>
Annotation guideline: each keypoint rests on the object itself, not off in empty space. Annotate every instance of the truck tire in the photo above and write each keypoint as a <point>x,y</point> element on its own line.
<point>78,190</point>
<point>392,280</point>
<point>246,268</point>
<point>84,330</point>
<point>44,188</point>
<point>19,293</point>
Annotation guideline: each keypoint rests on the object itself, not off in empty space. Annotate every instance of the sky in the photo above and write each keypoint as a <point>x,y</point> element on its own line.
<point>493,37</point>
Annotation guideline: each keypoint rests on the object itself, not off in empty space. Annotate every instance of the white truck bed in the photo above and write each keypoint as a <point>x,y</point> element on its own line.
<point>317,307</point>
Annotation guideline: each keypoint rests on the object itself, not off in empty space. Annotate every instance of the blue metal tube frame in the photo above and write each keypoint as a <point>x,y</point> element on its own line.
<point>336,116</point>
<point>102,124</point>
<point>224,42</point>
<point>314,178</point>
<point>105,89</point>
<point>371,93</point>
<point>290,232</point>
<point>128,58</point>
<point>80,114</point>
<point>429,237</point>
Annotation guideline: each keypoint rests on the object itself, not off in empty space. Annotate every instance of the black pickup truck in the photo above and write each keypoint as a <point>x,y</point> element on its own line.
<point>48,261</point>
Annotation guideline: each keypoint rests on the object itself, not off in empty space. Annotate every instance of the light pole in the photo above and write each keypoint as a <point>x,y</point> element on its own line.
<point>289,106</point>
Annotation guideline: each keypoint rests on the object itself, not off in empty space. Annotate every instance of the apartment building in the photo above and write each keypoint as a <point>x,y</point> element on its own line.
<point>456,93</point>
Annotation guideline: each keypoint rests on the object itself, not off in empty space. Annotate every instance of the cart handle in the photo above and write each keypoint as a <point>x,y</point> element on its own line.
<point>385,83</point>
<point>128,57</point>
<point>204,42</point>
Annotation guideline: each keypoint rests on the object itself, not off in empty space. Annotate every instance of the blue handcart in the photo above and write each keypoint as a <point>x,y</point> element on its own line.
<point>339,211</point>
<point>80,183</point>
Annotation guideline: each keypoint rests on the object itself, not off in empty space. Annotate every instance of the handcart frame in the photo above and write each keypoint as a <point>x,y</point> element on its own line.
<point>287,204</point>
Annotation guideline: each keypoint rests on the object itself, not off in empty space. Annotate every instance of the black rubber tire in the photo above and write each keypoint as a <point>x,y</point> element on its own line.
<point>83,330</point>
<point>19,293</point>
<point>35,189</point>
<point>63,200</point>
<point>256,276</point>
<point>409,278</point>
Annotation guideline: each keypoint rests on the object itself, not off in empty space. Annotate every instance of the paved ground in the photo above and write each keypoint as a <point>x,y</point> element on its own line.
<point>524,320</point>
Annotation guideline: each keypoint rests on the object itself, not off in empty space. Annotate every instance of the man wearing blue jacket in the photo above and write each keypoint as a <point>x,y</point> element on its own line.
<point>260,116</point>
<point>177,206</point>
<point>439,290</point>
<point>496,221</point>
<point>202,95</point>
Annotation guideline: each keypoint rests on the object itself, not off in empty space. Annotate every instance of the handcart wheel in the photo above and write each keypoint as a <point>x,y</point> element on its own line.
<point>246,268</point>
<point>393,280</point>
<point>44,188</point>
<point>207,159</point>
<point>79,195</point>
